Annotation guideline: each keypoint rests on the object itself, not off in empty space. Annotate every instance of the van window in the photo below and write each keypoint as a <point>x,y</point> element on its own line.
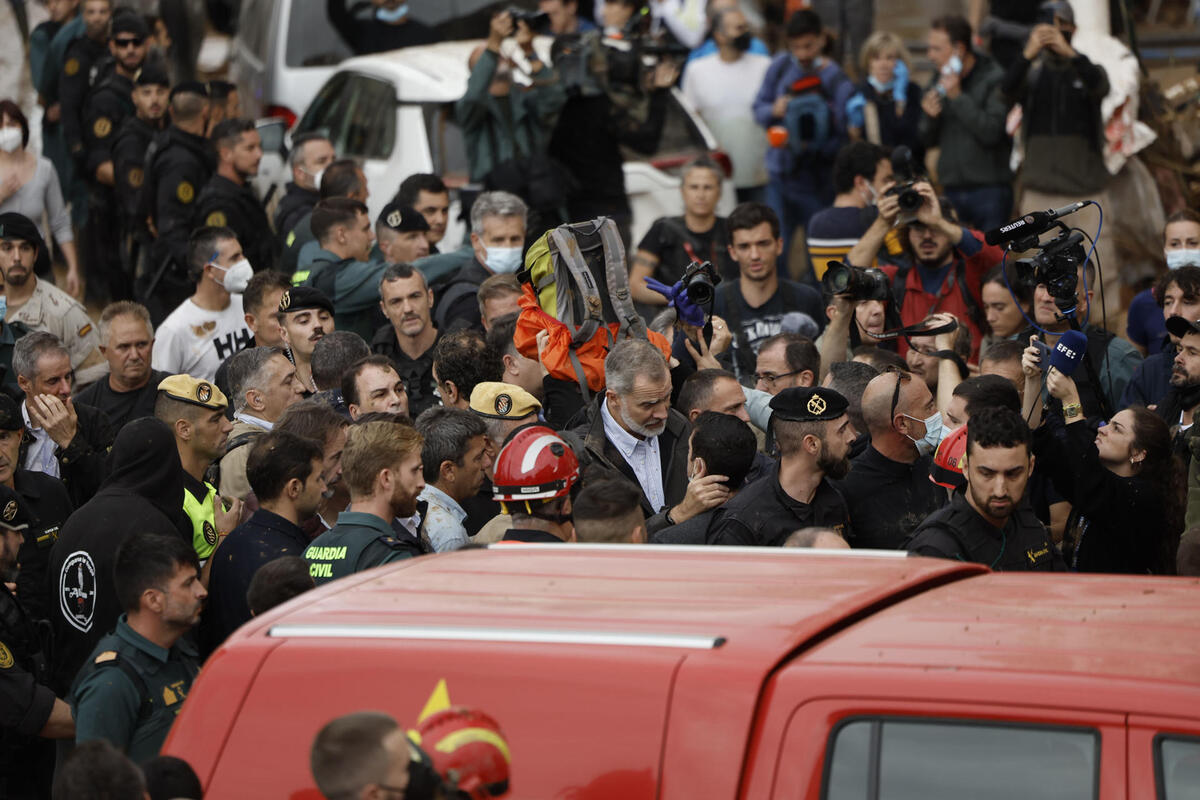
<point>1178,767</point>
<point>446,144</point>
<point>358,111</point>
<point>891,759</point>
<point>311,39</point>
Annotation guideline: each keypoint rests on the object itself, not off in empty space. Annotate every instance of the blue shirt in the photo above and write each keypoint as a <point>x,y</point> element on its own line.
<point>642,456</point>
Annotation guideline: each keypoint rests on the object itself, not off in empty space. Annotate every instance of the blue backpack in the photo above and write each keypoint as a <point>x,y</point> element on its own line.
<point>809,117</point>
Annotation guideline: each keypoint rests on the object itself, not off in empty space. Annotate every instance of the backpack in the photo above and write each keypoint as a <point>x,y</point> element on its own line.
<point>809,118</point>
<point>576,286</point>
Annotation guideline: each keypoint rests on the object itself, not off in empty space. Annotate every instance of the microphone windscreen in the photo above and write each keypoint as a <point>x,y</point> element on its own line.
<point>1068,353</point>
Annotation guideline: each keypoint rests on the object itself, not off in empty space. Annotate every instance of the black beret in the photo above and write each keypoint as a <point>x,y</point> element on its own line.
<point>152,75</point>
<point>402,218</point>
<point>808,404</point>
<point>19,226</point>
<point>304,298</point>
<point>10,414</point>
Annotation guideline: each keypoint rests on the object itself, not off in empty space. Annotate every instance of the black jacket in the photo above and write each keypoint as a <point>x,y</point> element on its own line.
<point>417,373</point>
<point>293,206</point>
<point>49,506</point>
<point>957,531</point>
<point>763,514</point>
<point>26,701</point>
<point>81,464</point>
<point>178,164</point>
<point>144,493</point>
<point>223,203</point>
<point>108,106</point>
<point>888,499</point>
<point>129,170</point>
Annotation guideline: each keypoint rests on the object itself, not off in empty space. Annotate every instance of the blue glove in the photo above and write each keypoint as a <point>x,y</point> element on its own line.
<point>900,82</point>
<point>854,111</point>
<point>677,296</point>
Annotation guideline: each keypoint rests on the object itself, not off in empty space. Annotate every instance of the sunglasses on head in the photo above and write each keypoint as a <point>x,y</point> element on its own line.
<point>136,41</point>
<point>901,377</point>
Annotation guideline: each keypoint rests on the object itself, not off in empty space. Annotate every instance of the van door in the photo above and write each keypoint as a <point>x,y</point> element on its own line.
<point>1164,758</point>
<point>856,749</point>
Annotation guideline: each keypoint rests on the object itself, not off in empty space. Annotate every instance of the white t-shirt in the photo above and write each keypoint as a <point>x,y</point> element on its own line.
<point>196,341</point>
<point>723,94</point>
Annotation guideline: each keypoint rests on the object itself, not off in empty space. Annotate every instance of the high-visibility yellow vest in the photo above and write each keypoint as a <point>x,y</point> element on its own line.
<point>204,521</point>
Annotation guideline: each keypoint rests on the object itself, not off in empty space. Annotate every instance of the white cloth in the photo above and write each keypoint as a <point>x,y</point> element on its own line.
<point>242,416</point>
<point>642,456</point>
<point>40,455</point>
<point>444,520</point>
<point>723,94</point>
<point>194,341</point>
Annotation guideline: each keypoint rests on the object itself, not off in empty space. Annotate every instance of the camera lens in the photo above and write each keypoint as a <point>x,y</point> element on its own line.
<point>837,278</point>
<point>700,290</point>
<point>910,199</point>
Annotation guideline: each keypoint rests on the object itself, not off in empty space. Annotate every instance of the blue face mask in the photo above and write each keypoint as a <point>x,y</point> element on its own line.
<point>933,434</point>
<point>504,260</point>
<point>392,14</point>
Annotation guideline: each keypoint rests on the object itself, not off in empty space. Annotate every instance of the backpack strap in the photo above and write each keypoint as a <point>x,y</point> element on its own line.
<point>567,249</point>
<point>146,704</point>
<point>617,272</point>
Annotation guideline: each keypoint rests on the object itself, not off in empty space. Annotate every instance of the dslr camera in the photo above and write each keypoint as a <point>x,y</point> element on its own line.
<point>904,168</point>
<point>700,281</point>
<point>591,64</point>
<point>859,283</point>
<point>538,21</point>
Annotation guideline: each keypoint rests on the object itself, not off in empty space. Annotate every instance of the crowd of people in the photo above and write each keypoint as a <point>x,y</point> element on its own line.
<point>281,396</point>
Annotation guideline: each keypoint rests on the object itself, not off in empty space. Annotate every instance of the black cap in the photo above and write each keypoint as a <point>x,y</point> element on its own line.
<point>10,414</point>
<point>14,515</point>
<point>303,298</point>
<point>1180,326</point>
<point>152,75</point>
<point>219,90</point>
<point>19,226</point>
<point>808,404</point>
<point>129,22</point>
<point>402,218</point>
<point>190,87</point>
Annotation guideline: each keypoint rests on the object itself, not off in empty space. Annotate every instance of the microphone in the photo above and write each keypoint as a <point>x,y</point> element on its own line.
<point>1032,224</point>
<point>1068,353</point>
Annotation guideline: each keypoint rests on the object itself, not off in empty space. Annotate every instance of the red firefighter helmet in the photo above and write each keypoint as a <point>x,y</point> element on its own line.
<point>950,460</point>
<point>468,750</point>
<point>535,465</point>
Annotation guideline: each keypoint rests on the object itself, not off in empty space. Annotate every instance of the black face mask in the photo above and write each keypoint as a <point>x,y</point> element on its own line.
<point>741,43</point>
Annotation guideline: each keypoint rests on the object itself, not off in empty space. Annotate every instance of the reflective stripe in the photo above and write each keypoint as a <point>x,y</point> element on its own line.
<point>366,631</point>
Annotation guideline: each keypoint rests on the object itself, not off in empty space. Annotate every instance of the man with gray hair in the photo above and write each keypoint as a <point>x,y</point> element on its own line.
<point>330,355</point>
<point>264,384</point>
<point>311,154</point>
<point>64,439</point>
<point>131,386</point>
<point>634,431</point>
<point>455,458</point>
<point>498,239</point>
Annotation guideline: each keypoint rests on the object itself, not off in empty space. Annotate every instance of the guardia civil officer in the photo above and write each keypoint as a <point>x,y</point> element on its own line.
<point>30,714</point>
<point>381,467</point>
<point>134,682</point>
<point>229,199</point>
<point>108,105</point>
<point>151,87</point>
<point>814,437</point>
<point>989,522</point>
<point>81,61</point>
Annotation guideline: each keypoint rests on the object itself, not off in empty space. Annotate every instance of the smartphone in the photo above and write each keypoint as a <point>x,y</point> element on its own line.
<point>953,67</point>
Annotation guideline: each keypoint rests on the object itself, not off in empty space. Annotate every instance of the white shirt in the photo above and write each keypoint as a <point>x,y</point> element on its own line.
<point>40,455</point>
<point>195,341</point>
<point>242,416</point>
<point>723,94</point>
<point>642,456</point>
<point>444,520</point>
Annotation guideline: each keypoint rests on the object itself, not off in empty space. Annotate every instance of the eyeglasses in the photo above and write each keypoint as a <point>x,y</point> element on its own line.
<point>134,42</point>
<point>901,377</point>
<point>771,377</point>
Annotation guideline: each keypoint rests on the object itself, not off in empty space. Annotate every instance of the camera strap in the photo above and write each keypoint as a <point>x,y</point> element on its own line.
<point>914,330</point>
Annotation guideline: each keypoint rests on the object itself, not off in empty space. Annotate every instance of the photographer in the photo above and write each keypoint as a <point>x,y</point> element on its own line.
<point>1176,295</point>
<point>941,268</point>
<point>862,174</point>
<point>1124,485</point>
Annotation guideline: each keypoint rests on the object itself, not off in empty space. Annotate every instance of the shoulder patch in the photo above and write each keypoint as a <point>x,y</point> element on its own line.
<point>71,67</point>
<point>84,331</point>
<point>102,127</point>
<point>210,533</point>
<point>105,657</point>
<point>6,657</point>
<point>216,219</point>
<point>391,542</point>
<point>185,192</point>
<point>136,176</point>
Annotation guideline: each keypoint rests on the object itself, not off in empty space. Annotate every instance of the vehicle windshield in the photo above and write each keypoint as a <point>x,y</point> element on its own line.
<point>357,112</point>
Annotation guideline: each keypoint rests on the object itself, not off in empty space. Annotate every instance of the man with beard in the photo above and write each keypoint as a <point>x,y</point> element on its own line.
<point>305,316</point>
<point>228,199</point>
<point>1178,408</point>
<point>400,233</point>
<point>888,491</point>
<point>382,469</point>
<point>131,386</point>
<point>150,90</point>
<point>287,475</point>
<point>409,336</point>
<point>814,435</point>
<point>987,523</point>
<point>39,304</point>
<point>195,412</point>
<point>137,677</point>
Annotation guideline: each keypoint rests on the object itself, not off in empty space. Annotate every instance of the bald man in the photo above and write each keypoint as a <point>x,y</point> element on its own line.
<point>888,490</point>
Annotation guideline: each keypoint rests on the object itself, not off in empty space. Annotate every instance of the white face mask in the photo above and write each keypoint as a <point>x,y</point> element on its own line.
<point>237,276</point>
<point>10,139</point>
<point>503,260</point>
<point>1182,258</point>
<point>933,434</point>
<point>316,177</point>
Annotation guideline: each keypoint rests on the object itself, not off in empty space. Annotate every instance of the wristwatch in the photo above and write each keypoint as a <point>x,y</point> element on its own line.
<point>1072,410</point>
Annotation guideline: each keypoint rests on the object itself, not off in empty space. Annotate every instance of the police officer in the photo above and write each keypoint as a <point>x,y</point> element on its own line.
<point>195,412</point>
<point>150,91</point>
<point>134,682</point>
<point>532,481</point>
<point>990,522</point>
<point>229,200</point>
<point>80,65</point>
<point>363,536</point>
<point>108,105</point>
<point>178,164</point>
<point>29,712</point>
<point>814,437</point>
<point>44,501</point>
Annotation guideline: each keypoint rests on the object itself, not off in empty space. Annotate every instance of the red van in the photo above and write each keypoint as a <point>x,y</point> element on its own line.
<point>643,672</point>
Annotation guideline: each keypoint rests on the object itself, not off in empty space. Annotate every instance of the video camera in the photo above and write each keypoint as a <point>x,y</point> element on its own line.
<point>700,280</point>
<point>904,168</point>
<point>591,64</point>
<point>859,283</point>
<point>1057,262</point>
<point>538,21</point>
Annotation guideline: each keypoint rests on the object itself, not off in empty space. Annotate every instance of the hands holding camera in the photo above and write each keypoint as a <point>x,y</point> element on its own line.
<point>1044,37</point>
<point>502,26</point>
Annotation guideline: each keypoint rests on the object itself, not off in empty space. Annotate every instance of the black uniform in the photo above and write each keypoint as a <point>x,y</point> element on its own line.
<point>530,535</point>
<point>178,165</point>
<point>48,506</point>
<point>26,701</point>
<point>223,203</point>
<point>763,514</point>
<point>959,532</point>
<point>81,59</point>
<point>417,373</point>
<point>889,499</point>
<point>121,407</point>
<point>108,106</point>
<point>129,171</point>
<point>296,203</point>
